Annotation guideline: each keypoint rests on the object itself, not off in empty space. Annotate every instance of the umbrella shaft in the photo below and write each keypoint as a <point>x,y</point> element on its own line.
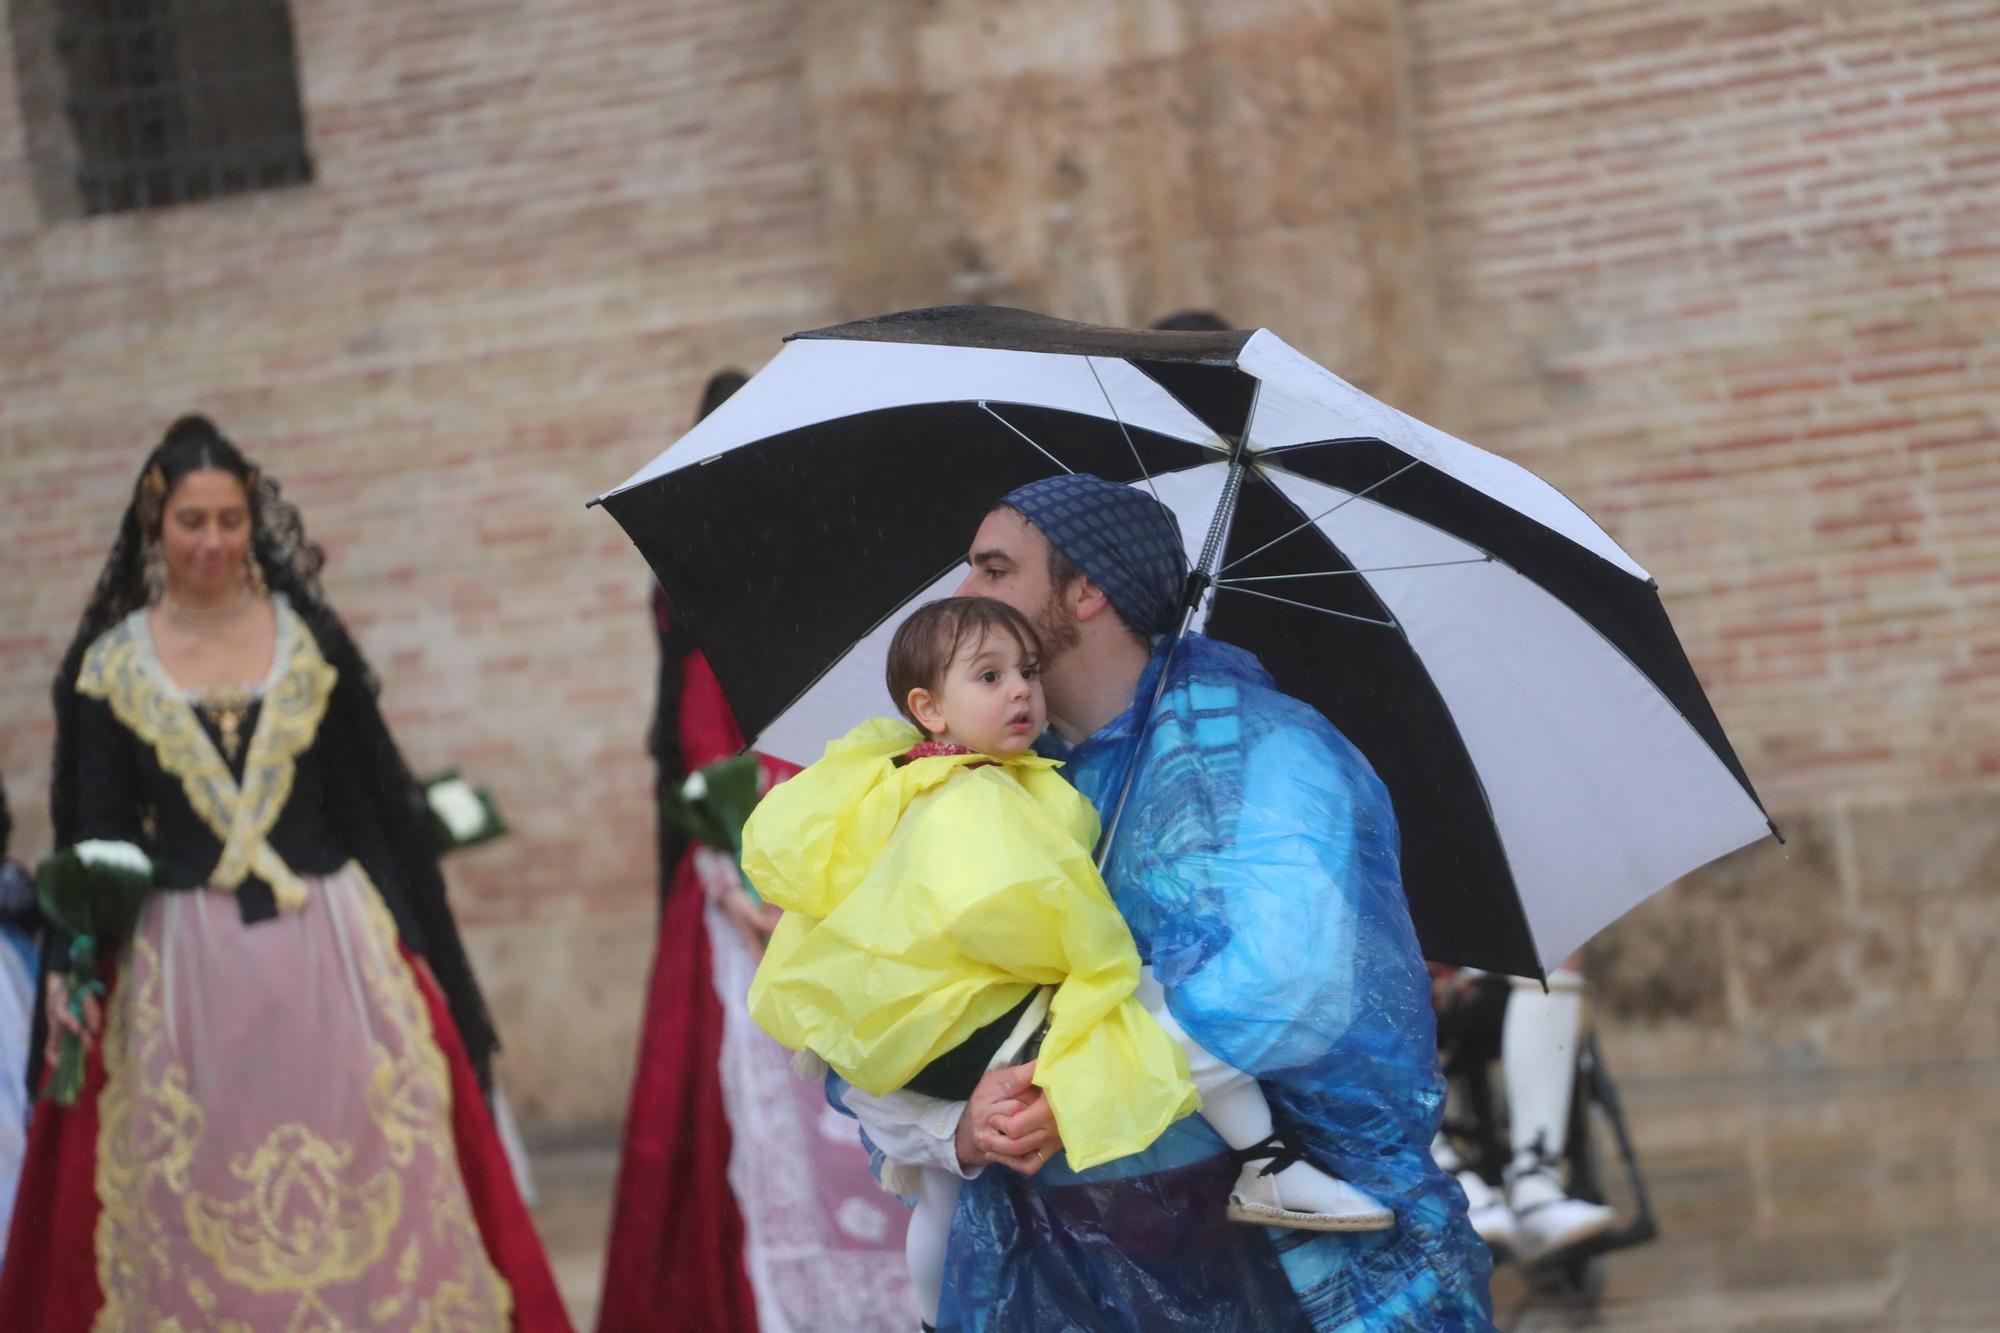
<point>1218,527</point>
<point>1198,582</point>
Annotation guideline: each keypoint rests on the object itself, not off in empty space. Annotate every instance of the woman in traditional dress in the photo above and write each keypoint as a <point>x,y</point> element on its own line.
<point>677,1231</point>
<point>282,1124</point>
<point>734,1210</point>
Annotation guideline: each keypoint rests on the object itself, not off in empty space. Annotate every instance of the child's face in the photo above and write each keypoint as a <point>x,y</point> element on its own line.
<point>990,699</point>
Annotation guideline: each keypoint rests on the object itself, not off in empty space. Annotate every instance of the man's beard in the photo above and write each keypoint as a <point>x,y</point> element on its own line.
<point>1056,624</point>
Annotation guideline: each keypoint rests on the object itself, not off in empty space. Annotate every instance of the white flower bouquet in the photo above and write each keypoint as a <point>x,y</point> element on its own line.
<point>461,815</point>
<point>712,804</point>
<point>95,890</point>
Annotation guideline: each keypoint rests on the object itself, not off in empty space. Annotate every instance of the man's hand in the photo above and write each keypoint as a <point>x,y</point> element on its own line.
<point>61,1020</point>
<point>1008,1121</point>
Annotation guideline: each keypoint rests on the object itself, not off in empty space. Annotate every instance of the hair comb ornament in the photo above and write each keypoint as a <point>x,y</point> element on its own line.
<point>152,497</point>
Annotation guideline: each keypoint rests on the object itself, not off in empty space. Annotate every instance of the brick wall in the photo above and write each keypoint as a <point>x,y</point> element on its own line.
<point>1729,274</point>
<point>535,229</point>
<point>532,232</point>
<point>1728,278</point>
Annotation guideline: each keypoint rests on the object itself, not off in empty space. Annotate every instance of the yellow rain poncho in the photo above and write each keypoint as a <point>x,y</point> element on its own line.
<point>924,901</point>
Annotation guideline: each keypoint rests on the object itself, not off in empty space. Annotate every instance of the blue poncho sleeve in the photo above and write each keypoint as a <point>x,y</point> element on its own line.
<point>1262,860</point>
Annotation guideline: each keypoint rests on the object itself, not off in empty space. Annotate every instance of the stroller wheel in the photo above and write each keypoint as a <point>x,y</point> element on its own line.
<point>1578,1281</point>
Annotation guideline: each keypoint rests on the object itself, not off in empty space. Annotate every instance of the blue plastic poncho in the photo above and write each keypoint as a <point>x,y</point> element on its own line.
<point>1257,864</point>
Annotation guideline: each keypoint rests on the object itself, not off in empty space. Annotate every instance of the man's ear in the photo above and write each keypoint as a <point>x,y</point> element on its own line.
<point>924,708</point>
<point>1086,600</point>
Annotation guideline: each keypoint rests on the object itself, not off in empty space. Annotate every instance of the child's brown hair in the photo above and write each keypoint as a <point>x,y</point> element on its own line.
<point>928,642</point>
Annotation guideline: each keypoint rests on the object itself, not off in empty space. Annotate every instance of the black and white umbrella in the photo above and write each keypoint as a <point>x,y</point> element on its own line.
<point>1507,669</point>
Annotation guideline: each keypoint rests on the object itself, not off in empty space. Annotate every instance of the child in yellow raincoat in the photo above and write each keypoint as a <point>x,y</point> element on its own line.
<point>941,903</point>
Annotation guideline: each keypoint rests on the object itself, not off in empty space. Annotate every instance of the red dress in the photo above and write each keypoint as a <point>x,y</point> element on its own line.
<point>676,1231</point>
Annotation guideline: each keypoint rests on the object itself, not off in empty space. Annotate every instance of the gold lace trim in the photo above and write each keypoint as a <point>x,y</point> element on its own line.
<point>121,669</point>
<point>262,1240</point>
<point>144,1136</point>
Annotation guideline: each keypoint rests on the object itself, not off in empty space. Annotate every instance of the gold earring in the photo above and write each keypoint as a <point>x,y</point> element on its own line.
<point>153,568</point>
<point>253,575</point>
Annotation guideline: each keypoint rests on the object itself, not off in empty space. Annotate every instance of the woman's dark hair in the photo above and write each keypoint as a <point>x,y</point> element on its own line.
<point>192,444</point>
<point>720,386</point>
<point>925,645</point>
<point>1192,321</point>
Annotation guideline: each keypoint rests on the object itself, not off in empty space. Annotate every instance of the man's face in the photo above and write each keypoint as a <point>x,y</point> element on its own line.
<point>1010,563</point>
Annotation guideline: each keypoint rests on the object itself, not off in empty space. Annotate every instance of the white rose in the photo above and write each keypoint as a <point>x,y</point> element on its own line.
<point>696,786</point>
<point>458,807</point>
<point>105,854</point>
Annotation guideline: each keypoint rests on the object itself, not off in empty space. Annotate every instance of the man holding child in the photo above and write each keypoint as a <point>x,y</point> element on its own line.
<point>1256,863</point>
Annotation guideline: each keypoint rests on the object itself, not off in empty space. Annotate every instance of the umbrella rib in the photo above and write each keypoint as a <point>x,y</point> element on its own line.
<point>1343,573</point>
<point>1317,517</point>
<point>1307,606</point>
<point>1091,362</point>
<point>987,408</point>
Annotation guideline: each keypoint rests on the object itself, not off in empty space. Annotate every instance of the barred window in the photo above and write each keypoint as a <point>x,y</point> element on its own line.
<point>136,104</point>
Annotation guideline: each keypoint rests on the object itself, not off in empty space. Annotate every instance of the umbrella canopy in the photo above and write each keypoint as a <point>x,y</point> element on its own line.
<point>1507,669</point>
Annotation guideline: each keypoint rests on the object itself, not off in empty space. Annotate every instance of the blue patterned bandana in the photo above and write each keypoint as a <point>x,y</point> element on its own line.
<point>1124,541</point>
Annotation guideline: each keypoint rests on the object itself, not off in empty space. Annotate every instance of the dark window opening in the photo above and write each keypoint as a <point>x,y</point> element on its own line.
<point>161,102</point>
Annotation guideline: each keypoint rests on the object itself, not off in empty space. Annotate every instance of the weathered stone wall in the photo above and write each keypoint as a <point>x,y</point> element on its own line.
<point>1726,273</point>
<point>1112,162</point>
